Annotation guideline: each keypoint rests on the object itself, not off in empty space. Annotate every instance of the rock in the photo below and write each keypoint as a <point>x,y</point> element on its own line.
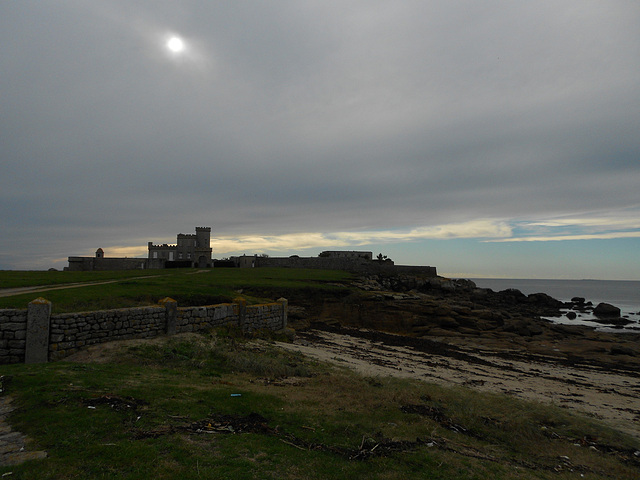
<point>447,322</point>
<point>480,293</point>
<point>618,321</point>
<point>571,315</point>
<point>465,284</point>
<point>621,350</point>
<point>512,295</point>
<point>566,330</point>
<point>535,329</point>
<point>421,330</point>
<point>468,321</point>
<point>578,300</point>
<point>606,310</point>
<point>544,299</point>
<point>526,328</point>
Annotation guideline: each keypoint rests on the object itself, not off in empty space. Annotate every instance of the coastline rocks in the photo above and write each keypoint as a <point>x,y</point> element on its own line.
<point>524,328</point>
<point>423,306</point>
<point>605,310</point>
<point>617,321</point>
<point>460,313</point>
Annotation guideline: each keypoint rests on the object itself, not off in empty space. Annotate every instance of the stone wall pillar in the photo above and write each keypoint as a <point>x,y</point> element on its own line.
<point>171,315</point>
<point>285,303</point>
<point>242,312</point>
<point>37,341</point>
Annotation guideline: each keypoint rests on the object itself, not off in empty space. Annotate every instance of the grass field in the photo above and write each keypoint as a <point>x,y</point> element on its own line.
<point>221,406</point>
<point>146,287</point>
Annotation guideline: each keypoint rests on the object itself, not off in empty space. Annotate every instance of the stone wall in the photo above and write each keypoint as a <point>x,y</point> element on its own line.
<point>196,319</point>
<point>21,331</point>
<point>71,331</point>
<point>270,316</point>
<point>13,334</point>
<point>348,263</point>
<point>88,264</point>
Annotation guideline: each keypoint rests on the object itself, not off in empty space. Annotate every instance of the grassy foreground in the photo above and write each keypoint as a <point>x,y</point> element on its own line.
<point>222,406</point>
<point>145,287</point>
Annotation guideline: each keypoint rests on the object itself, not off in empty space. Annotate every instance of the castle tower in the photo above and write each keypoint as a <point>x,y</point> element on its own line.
<point>203,248</point>
<point>99,253</point>
<point>203,237</point>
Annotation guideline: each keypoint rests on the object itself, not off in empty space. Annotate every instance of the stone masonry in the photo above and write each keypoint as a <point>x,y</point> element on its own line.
<point>13,333</point>
<point>69,332</point>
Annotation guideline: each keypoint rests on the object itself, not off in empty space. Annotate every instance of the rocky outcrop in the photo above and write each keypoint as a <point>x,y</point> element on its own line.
<point>459,311</point>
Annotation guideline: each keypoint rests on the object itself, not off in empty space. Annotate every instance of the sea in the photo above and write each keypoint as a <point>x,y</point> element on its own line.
<point>624,294</point>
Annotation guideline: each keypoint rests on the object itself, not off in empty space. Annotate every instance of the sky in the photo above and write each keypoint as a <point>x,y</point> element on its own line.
<point>486,138</point>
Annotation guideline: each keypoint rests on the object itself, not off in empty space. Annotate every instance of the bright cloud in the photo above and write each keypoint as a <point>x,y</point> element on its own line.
<point>297,241</point>
<point>558,238</point>
<point>132,252</point>
<point>623,224</point>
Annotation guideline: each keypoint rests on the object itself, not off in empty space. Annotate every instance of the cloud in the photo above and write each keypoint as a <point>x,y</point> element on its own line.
<point>560,238</point>
<point>298,241</point>
<point>593,226</point>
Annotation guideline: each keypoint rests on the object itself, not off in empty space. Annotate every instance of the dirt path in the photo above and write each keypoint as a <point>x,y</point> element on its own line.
<point>10,292</point>
<point>12,443</point>
<point>610,395</point>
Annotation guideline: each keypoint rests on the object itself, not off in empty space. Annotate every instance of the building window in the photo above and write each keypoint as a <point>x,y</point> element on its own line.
<point>155,254</point>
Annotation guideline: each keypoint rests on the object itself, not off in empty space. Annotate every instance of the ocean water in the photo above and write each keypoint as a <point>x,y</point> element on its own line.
<point>623,294</point>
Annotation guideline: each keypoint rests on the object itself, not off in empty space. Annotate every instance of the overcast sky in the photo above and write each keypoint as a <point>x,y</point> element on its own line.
<point>486,138</point>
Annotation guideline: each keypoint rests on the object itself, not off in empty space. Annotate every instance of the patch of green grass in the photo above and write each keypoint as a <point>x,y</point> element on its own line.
<point>316,418</point>
<point>188,286</point>
<point>32,278</point>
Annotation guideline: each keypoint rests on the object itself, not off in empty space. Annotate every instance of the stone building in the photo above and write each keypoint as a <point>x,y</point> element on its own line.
<point>190,250</point>
<point>350,260</point>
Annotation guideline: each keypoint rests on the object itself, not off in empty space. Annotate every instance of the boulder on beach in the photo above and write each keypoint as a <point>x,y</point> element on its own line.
<point>571,315</point>
<point>606,310</point>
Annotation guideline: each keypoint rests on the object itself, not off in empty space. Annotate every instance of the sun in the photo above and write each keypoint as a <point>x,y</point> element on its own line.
<point>175,44</point>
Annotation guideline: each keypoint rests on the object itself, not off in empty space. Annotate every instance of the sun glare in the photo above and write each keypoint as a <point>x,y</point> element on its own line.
<point>175,45</point>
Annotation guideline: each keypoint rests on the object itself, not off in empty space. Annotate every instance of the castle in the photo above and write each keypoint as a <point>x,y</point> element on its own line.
<point>190,250</point>
<point>194,251</point>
